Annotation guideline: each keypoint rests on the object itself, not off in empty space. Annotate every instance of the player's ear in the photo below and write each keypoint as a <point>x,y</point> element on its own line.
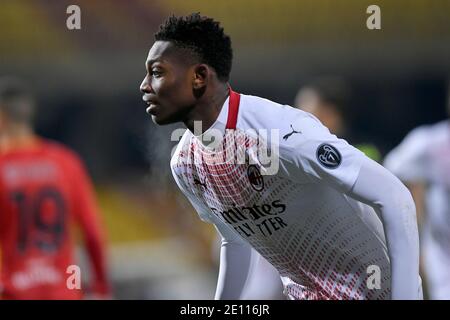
<point>201,75</point>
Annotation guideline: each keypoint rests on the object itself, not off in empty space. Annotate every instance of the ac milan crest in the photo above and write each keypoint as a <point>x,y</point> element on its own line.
<point>255,178</point>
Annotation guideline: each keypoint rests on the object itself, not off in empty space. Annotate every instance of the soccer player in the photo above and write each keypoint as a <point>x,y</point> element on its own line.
<point>334,223</point>
<point>422,160</point>
<point>44,189</point>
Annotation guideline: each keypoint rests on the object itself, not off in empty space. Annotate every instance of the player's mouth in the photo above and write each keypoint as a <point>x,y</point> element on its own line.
<point>152,106</point>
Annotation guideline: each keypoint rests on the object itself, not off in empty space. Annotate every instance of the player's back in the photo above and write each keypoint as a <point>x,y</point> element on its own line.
<point>37,201</point>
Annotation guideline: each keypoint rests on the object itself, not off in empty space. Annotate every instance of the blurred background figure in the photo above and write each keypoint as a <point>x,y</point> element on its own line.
<point>44,190</point>
<point>422,161</point>
<point>329,99</point>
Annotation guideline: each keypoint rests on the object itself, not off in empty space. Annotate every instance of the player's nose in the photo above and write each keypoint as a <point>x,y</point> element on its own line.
<point>145,86</point>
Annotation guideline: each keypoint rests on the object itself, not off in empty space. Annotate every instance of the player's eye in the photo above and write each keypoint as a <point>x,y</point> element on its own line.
<point>155,73</point>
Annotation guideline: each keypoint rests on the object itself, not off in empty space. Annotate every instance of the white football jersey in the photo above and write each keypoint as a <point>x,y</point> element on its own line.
<point>424,156</point>
<point>293,210</point>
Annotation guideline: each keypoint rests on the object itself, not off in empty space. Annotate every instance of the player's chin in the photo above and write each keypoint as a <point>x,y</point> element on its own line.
<point>163,115</point>
<point>161,119</point>
<point>157,114</point>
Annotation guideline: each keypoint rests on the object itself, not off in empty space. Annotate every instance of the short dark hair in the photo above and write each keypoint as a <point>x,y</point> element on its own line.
<point>204,37</point>
<point>16,101</point>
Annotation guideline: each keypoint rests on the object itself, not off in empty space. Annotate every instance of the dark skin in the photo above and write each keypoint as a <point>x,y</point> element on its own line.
<point>177,88</point>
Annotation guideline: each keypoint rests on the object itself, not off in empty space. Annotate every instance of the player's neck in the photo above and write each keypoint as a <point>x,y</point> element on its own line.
<point>208,108</point>
<point>16,137</point>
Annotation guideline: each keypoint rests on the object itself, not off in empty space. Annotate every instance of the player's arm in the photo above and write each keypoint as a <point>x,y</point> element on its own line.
<point>380,189</point>
<point>87,216</point>
<point>235,254</point>
<point>320,157</point>
<point>408,161</point>
<point>237,259</point>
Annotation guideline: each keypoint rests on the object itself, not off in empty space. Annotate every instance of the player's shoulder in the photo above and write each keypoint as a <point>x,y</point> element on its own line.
<point>260,113</point>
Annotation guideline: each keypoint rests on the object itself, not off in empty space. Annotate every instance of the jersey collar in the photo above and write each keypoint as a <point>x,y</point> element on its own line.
<point>227,119</point>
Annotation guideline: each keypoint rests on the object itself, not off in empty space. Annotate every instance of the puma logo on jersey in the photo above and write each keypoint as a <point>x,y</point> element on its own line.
<point>285,137</point>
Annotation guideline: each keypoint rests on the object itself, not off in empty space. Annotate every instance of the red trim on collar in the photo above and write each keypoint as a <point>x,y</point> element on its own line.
<point>233,109</point>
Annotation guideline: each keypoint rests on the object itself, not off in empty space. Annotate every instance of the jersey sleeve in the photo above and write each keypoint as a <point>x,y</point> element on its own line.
<point>312,153</point>
<point>408,160</point>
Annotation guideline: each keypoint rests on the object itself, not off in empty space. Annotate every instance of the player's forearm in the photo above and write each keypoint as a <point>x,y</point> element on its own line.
<point>235,265</point>
<point>399,220</point>
<point>385,193</point>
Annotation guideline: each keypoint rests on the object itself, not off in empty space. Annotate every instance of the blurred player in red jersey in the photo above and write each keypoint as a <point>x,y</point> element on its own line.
<point>44,189</point>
